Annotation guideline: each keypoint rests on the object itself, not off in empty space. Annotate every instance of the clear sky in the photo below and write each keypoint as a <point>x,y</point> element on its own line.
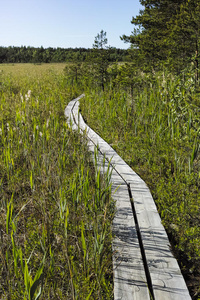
<point>65,23</point>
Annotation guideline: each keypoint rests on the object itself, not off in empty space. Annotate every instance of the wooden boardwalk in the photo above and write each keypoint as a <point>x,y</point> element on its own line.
<point>143,265</point>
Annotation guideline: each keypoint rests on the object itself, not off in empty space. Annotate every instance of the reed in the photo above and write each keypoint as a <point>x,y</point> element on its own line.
<point>54,202</point>
<point>155,128</point>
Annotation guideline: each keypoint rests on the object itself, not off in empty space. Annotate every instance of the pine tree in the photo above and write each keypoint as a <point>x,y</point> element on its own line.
<point>184,30</point>
<point>100,41</point>
<point>100,58</point>
<point>152,36</point>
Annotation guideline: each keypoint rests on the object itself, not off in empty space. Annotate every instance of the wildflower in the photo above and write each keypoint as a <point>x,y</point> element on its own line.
<point>22,98</point>
<point>0,131</point>
<point>40,134</point>
<point>28,95</point>
<point>47,124</point>
<point>37,127</point>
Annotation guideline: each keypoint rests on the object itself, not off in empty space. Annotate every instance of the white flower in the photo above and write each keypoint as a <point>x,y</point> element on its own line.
<point>40,134</point>
<point>28,95</point>
<point>47,124</point>
<point>0,131</point>
<point>37,127</point>
<point>22,98</point>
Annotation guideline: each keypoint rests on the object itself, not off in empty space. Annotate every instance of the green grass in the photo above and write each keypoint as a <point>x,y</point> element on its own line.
<point>153,123</point>
<point>55,211</point>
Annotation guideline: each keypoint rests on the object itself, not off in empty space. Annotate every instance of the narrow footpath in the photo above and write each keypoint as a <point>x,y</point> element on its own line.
<point>143,265</point>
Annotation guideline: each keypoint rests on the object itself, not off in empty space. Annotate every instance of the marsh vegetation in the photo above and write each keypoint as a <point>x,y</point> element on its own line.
<point>55,210</point>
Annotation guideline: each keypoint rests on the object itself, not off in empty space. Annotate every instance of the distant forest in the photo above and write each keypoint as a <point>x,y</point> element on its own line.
<point>29,54</point>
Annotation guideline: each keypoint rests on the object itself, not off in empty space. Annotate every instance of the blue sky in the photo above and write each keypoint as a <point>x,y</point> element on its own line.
<point>65,23</point>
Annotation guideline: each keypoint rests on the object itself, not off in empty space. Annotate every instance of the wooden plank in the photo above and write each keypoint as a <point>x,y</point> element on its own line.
<point>166,277</point>
<point>128,270</point>
<point>167,280</point>
<point>129,275</point>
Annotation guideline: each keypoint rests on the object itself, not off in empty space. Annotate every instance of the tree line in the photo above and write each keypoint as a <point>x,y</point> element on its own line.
<point>29,54</point>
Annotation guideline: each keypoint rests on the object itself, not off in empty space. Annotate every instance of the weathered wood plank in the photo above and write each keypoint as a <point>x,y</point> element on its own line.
<point>129,276</point>
<point>128,270</point>
<point>167,280</point>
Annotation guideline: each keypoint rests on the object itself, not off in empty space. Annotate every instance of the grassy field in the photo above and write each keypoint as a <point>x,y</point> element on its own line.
<point>56,211</point>
<point>33,70</point>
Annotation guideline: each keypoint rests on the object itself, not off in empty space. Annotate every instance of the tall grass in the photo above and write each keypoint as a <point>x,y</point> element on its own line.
<point>155,128</point>
<point>55,210</point>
